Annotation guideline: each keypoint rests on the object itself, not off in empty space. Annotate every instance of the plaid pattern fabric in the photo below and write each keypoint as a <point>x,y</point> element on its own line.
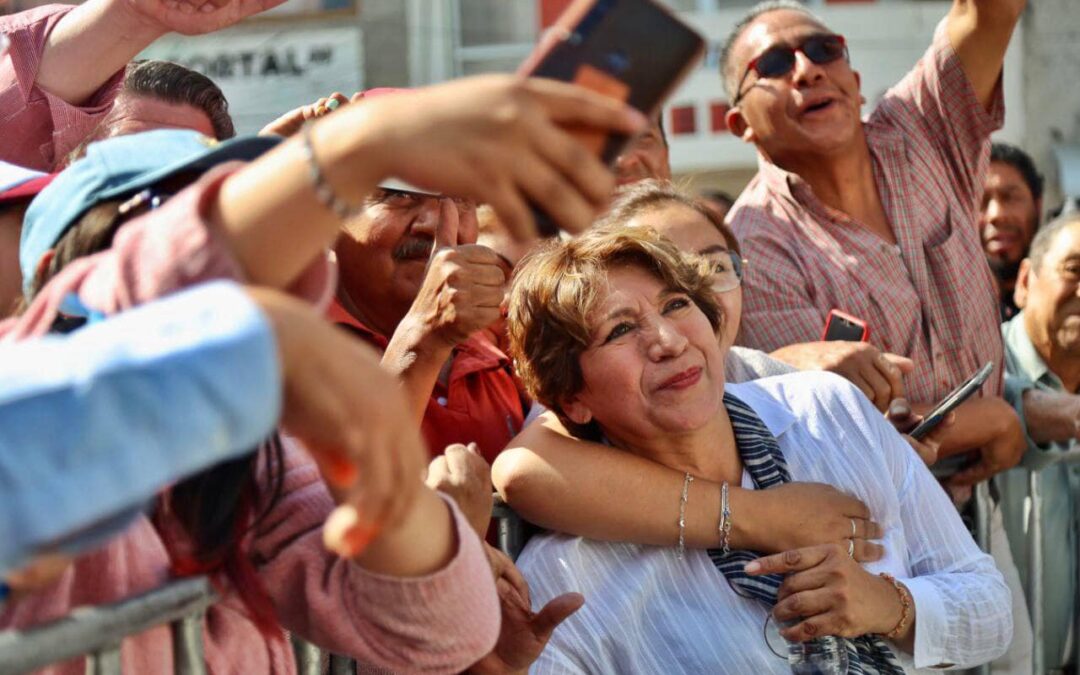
<point>764,461</point>
<point>932,298</point>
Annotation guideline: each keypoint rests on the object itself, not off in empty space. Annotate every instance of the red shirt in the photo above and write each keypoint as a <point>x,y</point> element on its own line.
<point>932,297</point>
<point>481,402</point>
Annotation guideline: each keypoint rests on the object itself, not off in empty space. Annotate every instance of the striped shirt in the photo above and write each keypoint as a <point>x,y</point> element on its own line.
<point>646,611</point>
<point>932,298</point>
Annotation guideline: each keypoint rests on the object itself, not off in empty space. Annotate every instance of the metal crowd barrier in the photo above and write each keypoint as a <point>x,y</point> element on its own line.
<point>96,632</point>
<point>1036,590</point>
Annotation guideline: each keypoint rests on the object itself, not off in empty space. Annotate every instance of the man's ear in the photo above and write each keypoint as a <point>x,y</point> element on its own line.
<point>738,126</point>
<point>1023,279</point>
<point>43,265</point>
<point>576,410</point>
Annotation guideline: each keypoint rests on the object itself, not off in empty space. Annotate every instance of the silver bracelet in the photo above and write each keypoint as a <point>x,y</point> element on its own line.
<point>687,479</point>
<point>323,192</point>
<point>725,520</point>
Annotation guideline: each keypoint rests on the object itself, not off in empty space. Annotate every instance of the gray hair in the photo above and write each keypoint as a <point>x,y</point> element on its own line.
<point>1046,235</point>
<point>727,74</point>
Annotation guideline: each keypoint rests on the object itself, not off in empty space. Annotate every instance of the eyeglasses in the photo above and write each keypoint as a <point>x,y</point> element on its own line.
<point>727,272</point>
<point>402,199</point>
<point>778,60</point>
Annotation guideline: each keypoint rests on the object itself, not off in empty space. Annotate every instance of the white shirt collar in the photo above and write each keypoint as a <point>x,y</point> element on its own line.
<point>777,418</point>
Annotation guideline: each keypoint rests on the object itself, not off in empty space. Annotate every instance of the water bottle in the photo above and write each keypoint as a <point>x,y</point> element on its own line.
<point>823,656</point>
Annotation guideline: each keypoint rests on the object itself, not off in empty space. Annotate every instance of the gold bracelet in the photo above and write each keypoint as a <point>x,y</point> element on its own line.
<point>905,604</point>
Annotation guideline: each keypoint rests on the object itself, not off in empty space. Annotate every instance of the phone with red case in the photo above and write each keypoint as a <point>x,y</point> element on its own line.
<point>841,326</point>
<point>635,51</point>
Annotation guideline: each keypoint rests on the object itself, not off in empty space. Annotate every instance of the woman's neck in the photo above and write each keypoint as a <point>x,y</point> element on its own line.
<point>709,452</point>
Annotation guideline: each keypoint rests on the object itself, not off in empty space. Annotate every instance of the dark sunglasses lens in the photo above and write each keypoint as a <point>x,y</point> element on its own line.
<point>823,48</point>
<point>775,62</point>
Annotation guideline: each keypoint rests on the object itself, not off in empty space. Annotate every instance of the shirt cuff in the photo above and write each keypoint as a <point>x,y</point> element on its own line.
<point>930,623</point>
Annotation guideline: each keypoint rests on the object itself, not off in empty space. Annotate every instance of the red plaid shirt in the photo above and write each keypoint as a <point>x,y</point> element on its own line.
<point>40,129</point>
<point>933,298</point>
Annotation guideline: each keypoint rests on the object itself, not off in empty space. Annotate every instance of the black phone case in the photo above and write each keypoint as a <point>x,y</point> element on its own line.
<point>636,42</point>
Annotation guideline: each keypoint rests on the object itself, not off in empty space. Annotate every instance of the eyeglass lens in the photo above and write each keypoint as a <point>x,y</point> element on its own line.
<point>779,60</point>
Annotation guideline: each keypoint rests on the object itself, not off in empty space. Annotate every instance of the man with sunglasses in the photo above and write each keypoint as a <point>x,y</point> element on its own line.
<point>877,217</point>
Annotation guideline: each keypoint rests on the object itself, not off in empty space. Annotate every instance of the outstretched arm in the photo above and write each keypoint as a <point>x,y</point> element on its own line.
<point>979,31</point>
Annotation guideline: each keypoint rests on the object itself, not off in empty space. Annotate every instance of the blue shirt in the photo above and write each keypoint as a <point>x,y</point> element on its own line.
<point>1025,369</point>
<point>94,423</point>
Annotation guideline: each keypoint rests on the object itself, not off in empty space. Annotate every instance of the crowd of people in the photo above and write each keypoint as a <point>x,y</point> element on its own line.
<point>300,362</point>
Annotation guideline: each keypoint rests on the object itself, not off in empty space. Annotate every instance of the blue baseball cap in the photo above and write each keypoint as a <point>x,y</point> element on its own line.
<point>121,167</point>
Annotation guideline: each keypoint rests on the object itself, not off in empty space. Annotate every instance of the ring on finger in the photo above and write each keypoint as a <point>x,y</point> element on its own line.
<point>851,548</point>
<point>854,529</point>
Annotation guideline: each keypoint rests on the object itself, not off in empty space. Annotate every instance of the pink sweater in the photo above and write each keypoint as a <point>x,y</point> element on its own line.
<point>440,623</point>
<point>40,129</point>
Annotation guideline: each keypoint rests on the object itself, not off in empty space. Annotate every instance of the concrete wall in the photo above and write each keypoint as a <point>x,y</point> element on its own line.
<point>1051,38</point>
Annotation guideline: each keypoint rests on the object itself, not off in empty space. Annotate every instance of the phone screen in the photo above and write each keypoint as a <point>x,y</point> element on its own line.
<point>950,402</point>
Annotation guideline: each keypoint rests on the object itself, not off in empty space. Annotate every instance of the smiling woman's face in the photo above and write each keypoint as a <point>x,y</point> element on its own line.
<point>693,233</point>
<point>653,367</point>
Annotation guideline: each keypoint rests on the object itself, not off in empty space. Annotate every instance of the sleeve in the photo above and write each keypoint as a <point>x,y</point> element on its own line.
<point>777,307</point>
<point>440,623</point>
<point>963,610</point>
<point>39,128</point>
<point>158,253</point>
<point>936,102</point>
<point>89,425</point>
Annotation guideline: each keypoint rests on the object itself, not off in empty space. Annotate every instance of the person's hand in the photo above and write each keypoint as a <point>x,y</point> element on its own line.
<point>37,575</point>
<point>352,420</point>
<point>502,140</point>
<point>464,475</point>
<point>877,374</point>
<point>464,285</point>
<point>289,123</point>
<point>796,515</point>
<point>524,633</point>
<point>1000,439</point>
<point>826,592</point>
<point>905,419</point>
<point>195,17</point>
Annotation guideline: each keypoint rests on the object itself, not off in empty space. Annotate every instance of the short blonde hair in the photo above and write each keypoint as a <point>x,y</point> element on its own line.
<point>556,288</point>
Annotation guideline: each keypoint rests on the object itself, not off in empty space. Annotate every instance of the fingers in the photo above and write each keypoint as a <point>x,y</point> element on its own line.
<point>880,387</point>
<point>446,230</point>
<point>513,576</point>
<point>867,551</point>
<point>569,105</point>
<point>904,364</point>
<point>791,561</point>
<point>803,604</point>
<point>893,375</point>
<point>554,613</point>
<point>927,450</point>
<point>468,226</point>
<point>573,160</point>
<point>866,529</point>
<point>550,190</point>
<point>973,474</point>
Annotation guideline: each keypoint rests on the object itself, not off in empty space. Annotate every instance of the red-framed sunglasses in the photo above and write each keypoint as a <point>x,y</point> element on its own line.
<point>778,60</point>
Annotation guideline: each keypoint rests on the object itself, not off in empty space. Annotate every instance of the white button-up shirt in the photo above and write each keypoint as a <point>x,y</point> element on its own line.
<point>646,611</point>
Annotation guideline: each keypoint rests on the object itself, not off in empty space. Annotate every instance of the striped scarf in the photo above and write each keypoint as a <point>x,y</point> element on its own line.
<point>761,455</point>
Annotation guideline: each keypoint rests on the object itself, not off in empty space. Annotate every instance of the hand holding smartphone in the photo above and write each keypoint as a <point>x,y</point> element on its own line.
<point>635,51</point>
<point>952,401</point>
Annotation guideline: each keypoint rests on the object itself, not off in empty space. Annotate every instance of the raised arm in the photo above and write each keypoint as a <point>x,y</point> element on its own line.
<point>979,31</point>
<point>115,31</point>
<point>596,491</point>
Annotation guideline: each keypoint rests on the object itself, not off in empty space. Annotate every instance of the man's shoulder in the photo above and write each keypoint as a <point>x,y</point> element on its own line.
<point>804,394</point>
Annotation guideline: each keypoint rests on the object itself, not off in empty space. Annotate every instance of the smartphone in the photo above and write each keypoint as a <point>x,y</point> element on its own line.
<point>841,326</point>
<point>950,402</point>
<point>635,51</point>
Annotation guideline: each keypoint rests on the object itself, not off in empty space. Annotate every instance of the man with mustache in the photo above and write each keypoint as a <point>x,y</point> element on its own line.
<point>1042,359</point>
<point>416,285</point>
<point>1009,217</point>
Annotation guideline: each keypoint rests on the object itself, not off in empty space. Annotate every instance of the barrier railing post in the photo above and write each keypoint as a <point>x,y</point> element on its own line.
<point>105,661</point>
<point>983,507</point>
<point>308,657</point>
<point>188,645</point>
<point>510,527</point>
<point>1035,566</point>
<point>342,665</point>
